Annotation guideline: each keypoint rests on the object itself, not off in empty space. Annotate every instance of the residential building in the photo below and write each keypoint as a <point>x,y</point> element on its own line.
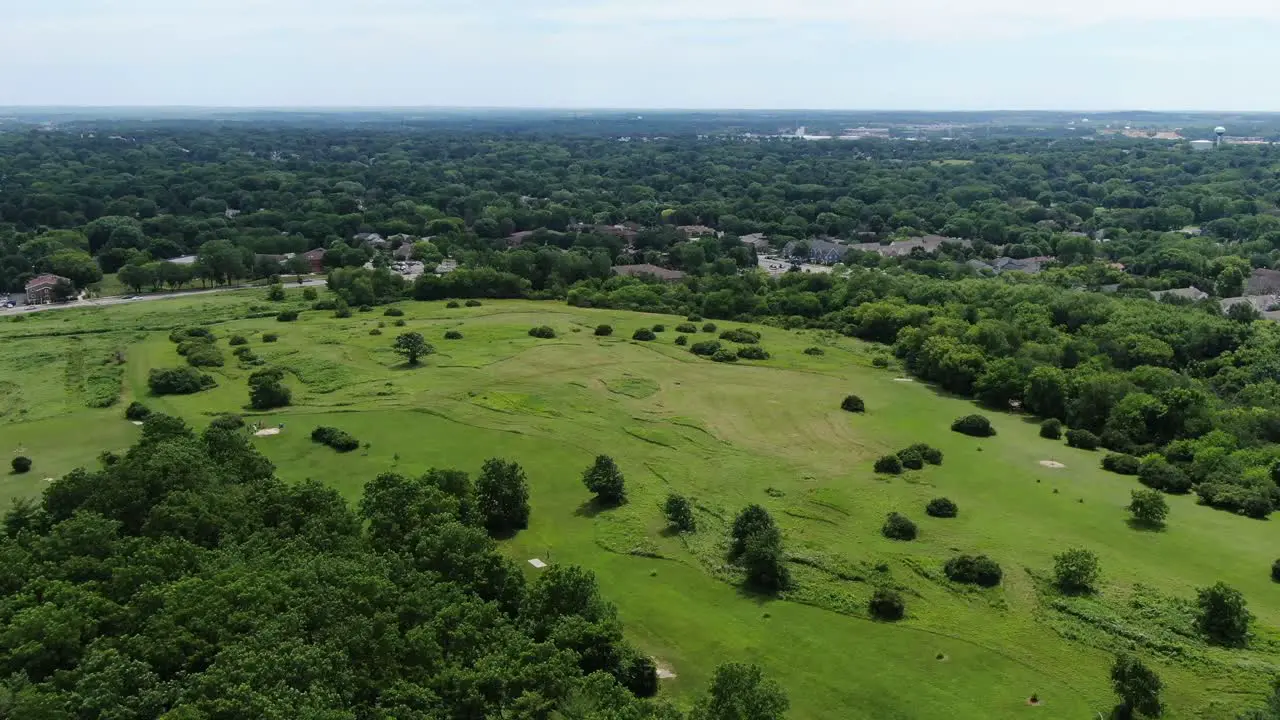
<point>40,288</point>
<point>516,239</point>
<point>818,251</point>
<point>1261,303</point>
<point>316,258</point>
<point>759,241</point>
<point>373,240</point>
<point>697,231</point>
<point>1188,293</point>
<point>1263,282</point>
<point>648,270</point>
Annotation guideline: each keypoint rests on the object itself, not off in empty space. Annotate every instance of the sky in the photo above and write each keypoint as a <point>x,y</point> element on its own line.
<point>742,54</point>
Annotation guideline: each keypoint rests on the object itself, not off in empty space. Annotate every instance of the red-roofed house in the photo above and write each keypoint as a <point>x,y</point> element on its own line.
<point>40,288</point>
<point>316,258</point>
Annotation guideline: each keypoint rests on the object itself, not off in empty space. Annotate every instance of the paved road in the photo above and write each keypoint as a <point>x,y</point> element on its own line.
<point>108,301</point>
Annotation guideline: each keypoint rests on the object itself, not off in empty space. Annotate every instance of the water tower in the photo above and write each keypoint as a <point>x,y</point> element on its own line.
<point>1219,131</point>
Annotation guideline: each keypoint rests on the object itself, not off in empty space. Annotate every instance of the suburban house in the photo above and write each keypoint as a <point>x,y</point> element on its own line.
<point>627,231</point>
<point>516,239</point>
<point>1261,303</point>
<point>757,240</point>
<point>697,231</point>
<point>1188,293</point>
<point>447,265</point>
<point>316,258</point>
<point>1030,266</point>
<point>40,288</point>
<point>647,270</point>
<point>819,251</point>
<point>373,240</point>
<point>902,248</point>
<point>404,252</point>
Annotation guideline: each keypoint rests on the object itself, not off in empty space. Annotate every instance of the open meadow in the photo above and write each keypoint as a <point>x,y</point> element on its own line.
<point>726,435</point>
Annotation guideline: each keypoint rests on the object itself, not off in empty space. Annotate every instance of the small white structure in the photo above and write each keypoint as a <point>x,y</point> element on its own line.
<point>1201,145</point>
<point>537,563</point>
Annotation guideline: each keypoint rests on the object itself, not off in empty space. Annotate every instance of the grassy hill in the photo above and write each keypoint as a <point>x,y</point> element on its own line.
<point>768,432</point>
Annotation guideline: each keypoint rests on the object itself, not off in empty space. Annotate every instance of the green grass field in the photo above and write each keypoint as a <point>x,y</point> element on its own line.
<point>768,432</point>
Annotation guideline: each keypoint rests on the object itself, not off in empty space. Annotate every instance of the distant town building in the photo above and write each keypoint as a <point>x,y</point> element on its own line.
<point>40,288</point>
<point>648,270</point>
<point>823,252</point>
<point>697,231</point>
<point>1201,145</point>
<point>1187,293</point>
<point>757,240</point>
<point>316,259</point>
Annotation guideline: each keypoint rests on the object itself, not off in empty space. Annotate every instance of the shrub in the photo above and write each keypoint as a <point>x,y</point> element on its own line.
<point>605,480</point>
<point>898,527</point>
<point>178,381</point>
<point>191,333</point>
<point>886,605</point>
<point>342,311</point>
<point>679,513</point>
<point>203,354</point>
<point>324,305</point>
<point>604,330</point>
<point>694,317</point>
<point>238,340</point>
<point>452,335</point>
<point>267,389</point>
<point>853,403</point>
<point>889,464</point>
<point>640,675</point>
<point>928,453</point>
<point>366,308</point>
<point>1083,439</point>
<point>1156,472</point>
<point>741,335</point>
<point>753,352</point>
<point>452,304</point>
<point>375,331</point>
<point>973,425</point>
<point>880,361</point>
<point>473,303</point>
<point>337,439</point>
<point>275,293</point>
<point>1075,571</point>
<point>1224,616</point>
<point>682,340</point>
<point>709,327</point>
<point>309,294</point>
<point>287,316</point>
<point>20,464</point>
<point>643,334</point>
<point>814,351</point>
<point>1148,507</point>
<point>911,459</point>
<point>974,570</point>
<point>725,356</point>
<point>687,328</point>
<point>398,323</point>
<point>1051,429</point>
<point>1121,463</point>
<point>659,328</point>
<point>942,508</point>
<point>393,312</point>
<point>270,337</point>
<point>542,331</point>
<point>1275,571</point>
<point>136,411</point>
<point>227,421</point>
<point>706,348</point>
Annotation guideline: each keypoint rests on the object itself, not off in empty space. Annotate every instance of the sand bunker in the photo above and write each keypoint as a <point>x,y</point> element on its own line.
<point>537,563</point>
<point>136,422</point>
<point>664,670</point>
<point>1052,464</point>
<point>264,432</point>
<point>903,380</point>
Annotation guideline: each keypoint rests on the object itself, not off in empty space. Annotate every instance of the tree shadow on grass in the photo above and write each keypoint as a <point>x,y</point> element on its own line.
<point>594,507</point>
<point>756,595</point>
<point>1144,526</point>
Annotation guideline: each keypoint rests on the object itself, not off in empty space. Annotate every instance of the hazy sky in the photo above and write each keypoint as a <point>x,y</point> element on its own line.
<point>927,54</point>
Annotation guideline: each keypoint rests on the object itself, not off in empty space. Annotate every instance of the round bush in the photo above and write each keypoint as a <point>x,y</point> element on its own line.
<point>814,351</point>
<point>287,316</point>
<point>398,323</point>
<point>473,303</point>
<point>928,453</point>
<point>853,403</point>
<point>725,356</point>
<point>452,304</point>
<point>973,425</point>
<point>1051,429</point>
<point>375,331</point>
<point>137,411</point>
<point>695,317</point>
<point>880,361</point>
<point>1082,439</point>
<point>911,459</point>
<point>753,352</point>
<point>709,328</point>
<point>309,294</point>
<point>974,570</point>
<point>21,464</point>
<point>644,334</point>
<point>238,340</point>
<point>741,336</point>
<point>682,340</point>
<point>452,335</point>
<point>889,465</point>
<point>604,330</point>
<point>659,328</point>
<point>1121,463</point>
<point>886,605</point>
<point>542,331</point>
<point>687,328</point>
<point>706,348</point>
<point>270,337</point>
<point>393,312</point>
<point>942,508</point>
<point>898,527</point>
<point>1275,571</point>
<point>365,308</point>
<point>227,421</point>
